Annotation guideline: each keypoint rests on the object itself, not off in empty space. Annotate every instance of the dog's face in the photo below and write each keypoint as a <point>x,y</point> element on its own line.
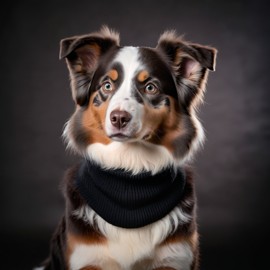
<point>136,95</point>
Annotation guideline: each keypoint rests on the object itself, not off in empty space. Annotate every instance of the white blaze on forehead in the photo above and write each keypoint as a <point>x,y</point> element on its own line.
<point>124,99</point>
<point>128,57</point>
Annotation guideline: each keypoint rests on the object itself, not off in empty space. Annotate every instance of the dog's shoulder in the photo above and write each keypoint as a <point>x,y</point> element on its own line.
<point>69,190</point>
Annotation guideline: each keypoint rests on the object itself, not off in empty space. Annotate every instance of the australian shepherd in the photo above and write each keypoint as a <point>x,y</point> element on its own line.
<point>130,202</point>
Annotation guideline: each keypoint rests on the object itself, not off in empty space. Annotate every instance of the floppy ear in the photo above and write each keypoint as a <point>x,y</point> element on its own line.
<point>190,63</point>
<point>82,55</point>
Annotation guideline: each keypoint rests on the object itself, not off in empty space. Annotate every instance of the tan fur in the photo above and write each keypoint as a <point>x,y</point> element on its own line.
<point>142,76</point>
<point>165,120</point>
<point>93,122</point>
<point>113,74</point>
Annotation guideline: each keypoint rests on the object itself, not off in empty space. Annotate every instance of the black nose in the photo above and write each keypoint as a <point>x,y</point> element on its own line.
<point>120,119</point>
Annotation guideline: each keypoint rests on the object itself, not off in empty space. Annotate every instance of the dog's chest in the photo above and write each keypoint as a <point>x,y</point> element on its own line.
<point>121,253</point>
<point>127,249</point>
<point>121,247</point>
<point>131,253</point>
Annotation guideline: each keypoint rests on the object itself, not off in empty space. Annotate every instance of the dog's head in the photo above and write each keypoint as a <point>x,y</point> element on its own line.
<point>135,99</point>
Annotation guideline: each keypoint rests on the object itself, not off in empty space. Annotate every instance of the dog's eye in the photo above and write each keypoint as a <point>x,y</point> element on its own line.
<point>107,87</point>
<point>151,89</point>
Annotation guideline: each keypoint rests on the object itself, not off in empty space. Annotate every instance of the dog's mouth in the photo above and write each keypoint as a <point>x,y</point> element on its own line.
<point>120,137</point>
<point>128,133</point>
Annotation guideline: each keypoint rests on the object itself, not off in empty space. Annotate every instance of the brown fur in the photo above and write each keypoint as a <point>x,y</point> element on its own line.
<point>113,74</point>
<point>143,75</point>
<point>93,123</point>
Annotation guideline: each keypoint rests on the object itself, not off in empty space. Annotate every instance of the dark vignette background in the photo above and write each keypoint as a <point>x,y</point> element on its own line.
<point>232,177</point>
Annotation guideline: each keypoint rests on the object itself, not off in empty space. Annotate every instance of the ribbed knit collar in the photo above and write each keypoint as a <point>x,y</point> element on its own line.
<point>126,200</point>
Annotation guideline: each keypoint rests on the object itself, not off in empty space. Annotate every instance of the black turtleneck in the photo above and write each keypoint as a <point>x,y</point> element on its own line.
<point>126,200</point>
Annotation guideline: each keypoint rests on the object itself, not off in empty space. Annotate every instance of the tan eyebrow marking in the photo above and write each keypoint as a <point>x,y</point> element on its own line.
<point>142,76</point>
<point>113,74</point>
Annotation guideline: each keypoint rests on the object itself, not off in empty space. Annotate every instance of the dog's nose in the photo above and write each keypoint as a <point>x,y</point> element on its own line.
<point>120,119</point>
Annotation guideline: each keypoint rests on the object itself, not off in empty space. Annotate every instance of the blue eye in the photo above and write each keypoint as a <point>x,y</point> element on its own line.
<point>150,89</point>
<point>107,87</point>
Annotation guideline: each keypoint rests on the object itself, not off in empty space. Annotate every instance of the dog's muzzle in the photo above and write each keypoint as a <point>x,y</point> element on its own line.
<point>120,119</point>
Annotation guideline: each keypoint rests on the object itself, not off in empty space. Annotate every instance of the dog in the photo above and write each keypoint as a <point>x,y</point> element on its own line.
<point>130,202</point>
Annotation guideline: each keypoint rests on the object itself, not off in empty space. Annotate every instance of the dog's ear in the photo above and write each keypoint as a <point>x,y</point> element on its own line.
<point>82,55</point>
<point>190,63</point>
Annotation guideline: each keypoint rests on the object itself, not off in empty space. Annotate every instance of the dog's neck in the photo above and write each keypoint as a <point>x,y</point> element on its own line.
<point>127,200</point>
<point>133,157</point>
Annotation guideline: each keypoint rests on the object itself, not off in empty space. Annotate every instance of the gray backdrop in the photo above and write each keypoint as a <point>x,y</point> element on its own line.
<point>231,171</point>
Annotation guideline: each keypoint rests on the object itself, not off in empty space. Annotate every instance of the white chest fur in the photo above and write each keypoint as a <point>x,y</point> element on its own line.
<point>126,248</point>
